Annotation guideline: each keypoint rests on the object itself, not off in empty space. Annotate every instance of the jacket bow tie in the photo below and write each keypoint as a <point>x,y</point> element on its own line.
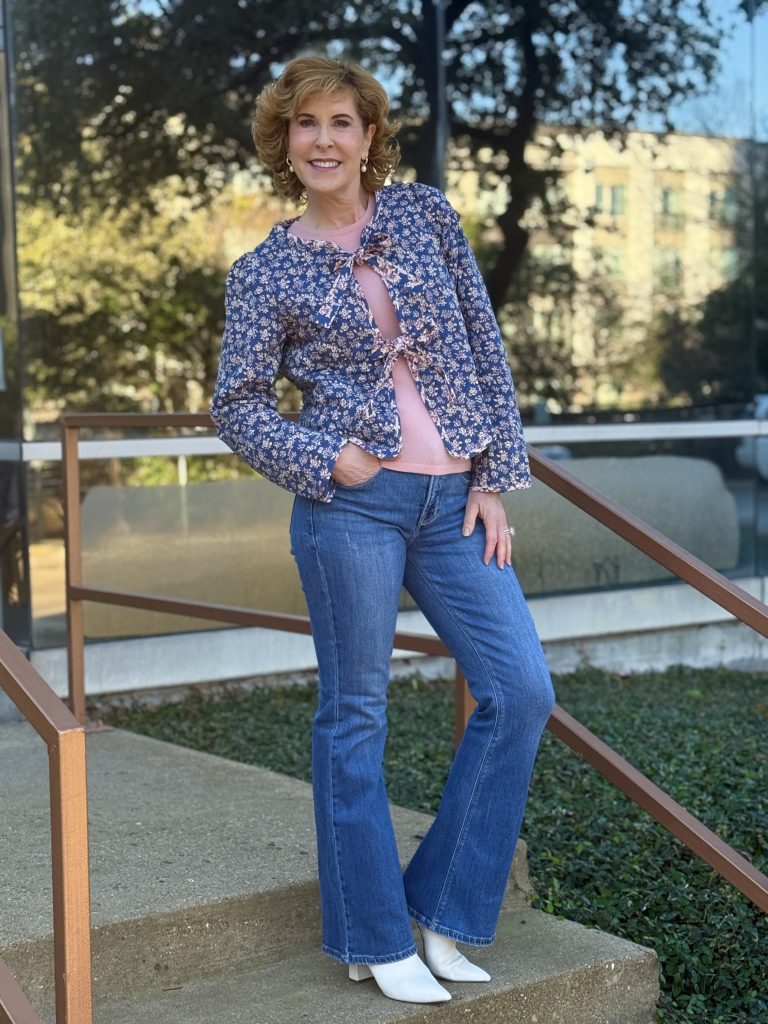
<point>374,254</point>
<point>411,347</point>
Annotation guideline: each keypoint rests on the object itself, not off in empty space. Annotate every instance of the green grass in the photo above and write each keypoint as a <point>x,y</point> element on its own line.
<point>700,734</point>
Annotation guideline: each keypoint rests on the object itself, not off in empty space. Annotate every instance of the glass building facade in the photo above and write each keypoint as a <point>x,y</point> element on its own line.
<point>619,217</point>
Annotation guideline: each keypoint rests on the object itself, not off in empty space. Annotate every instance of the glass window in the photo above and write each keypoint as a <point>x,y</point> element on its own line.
<point>725,205</point>
<point>133,197</point>
<point>13,561</point>
<point>670,209</point>
<point>668,268</point>
<point>730,206</point>
<point>617,200</point>
<point>14,606</point>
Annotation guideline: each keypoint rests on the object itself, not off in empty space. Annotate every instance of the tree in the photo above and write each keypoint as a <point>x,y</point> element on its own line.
<point>115,96</point>
<point>120,309</point>
<point>707,354</point>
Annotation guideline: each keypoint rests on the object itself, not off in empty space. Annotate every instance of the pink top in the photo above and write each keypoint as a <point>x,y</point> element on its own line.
<point>422,449</point>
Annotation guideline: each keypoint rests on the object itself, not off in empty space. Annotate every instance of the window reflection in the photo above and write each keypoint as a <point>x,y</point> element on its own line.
<point>617,243</point>
<point>13,567</point>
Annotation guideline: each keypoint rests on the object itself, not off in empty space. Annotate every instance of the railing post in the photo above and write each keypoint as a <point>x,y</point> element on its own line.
<point>74,570</point>
<point>464,705</point>
<point>71,896</point>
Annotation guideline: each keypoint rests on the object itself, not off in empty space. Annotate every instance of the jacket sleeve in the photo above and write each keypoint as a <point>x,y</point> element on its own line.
<point>503,465</point>
<point>244,406</point>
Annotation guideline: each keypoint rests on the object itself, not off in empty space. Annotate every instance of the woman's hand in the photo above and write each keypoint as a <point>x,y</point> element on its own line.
<point>487,506</point>
<point>354,465</point>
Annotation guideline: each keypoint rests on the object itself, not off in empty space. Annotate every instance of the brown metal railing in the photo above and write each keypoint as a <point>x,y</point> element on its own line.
<point>673,816</point>
<point>64,736</point>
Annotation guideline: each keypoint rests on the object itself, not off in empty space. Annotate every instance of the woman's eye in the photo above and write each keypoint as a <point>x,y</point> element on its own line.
<point>308,122</point>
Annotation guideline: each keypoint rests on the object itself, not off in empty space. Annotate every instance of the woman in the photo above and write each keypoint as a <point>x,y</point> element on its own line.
<point>372,303</point>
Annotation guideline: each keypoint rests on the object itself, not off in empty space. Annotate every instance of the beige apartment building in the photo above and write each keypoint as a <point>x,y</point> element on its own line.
<point>656,227</point>
<point>651,223</point>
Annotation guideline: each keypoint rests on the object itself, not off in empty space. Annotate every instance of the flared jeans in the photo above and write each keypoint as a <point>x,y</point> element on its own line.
<point>354,554</point>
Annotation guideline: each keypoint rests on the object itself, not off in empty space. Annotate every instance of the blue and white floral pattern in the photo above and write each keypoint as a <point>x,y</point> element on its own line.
<point>294,308</point>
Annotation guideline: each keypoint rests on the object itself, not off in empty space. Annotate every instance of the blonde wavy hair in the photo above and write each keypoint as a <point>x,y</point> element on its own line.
<point>303,76</point>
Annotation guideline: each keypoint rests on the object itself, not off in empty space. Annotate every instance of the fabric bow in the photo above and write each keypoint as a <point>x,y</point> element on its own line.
<point>409,346</point>
<point>374,253</point>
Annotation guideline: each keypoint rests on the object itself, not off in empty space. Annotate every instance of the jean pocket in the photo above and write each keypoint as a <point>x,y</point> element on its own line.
<point>466,476</point>
<point>361,483</point>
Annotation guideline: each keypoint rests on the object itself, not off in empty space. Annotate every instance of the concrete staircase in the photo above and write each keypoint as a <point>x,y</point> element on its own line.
<point>205,905</point>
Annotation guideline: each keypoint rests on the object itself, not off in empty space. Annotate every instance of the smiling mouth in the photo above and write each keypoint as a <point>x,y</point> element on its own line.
<point>324,163</point>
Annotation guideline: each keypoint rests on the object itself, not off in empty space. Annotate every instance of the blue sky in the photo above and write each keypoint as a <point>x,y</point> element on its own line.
<point>725,109</point>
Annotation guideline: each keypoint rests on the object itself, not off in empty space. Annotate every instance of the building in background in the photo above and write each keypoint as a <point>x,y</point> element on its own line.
<point>659,227</point>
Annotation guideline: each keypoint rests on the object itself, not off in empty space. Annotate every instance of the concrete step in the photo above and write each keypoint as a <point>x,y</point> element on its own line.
<point>204,882</point>
<point>543,971</point>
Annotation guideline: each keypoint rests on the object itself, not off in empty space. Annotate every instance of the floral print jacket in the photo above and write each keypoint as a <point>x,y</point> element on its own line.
<point>294,308</point>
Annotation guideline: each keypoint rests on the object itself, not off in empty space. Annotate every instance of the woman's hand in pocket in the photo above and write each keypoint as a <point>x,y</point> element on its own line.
<point>354,465</point>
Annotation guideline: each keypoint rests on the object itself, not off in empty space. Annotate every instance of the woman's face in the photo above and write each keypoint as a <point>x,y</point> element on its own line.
<point>327,142</point>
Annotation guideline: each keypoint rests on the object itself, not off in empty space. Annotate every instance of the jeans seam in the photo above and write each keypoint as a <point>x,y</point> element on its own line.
<point>336,845</point>
<point>460,840</point>
<point>452,933</point>
<point>431,497</point>
<point>364,958</point>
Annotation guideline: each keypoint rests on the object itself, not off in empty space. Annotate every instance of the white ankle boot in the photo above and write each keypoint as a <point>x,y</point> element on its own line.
<point>445,961</point>
<point>408,980</point>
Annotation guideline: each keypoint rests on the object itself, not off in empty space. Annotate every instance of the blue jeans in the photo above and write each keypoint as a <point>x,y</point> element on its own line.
<point>354,553</point>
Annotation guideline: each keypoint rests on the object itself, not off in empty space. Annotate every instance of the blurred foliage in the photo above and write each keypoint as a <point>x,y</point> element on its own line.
<point>10,406</point>
<point>163,471</point>
<point>120,307</point>
<point>596,857</point>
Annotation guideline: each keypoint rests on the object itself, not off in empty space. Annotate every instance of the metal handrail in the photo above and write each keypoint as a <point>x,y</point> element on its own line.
<point>557,434</point>
<point>15,1008</point>
<point>725,860</point>
<point>652,542</point>
<point>64,736</point>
